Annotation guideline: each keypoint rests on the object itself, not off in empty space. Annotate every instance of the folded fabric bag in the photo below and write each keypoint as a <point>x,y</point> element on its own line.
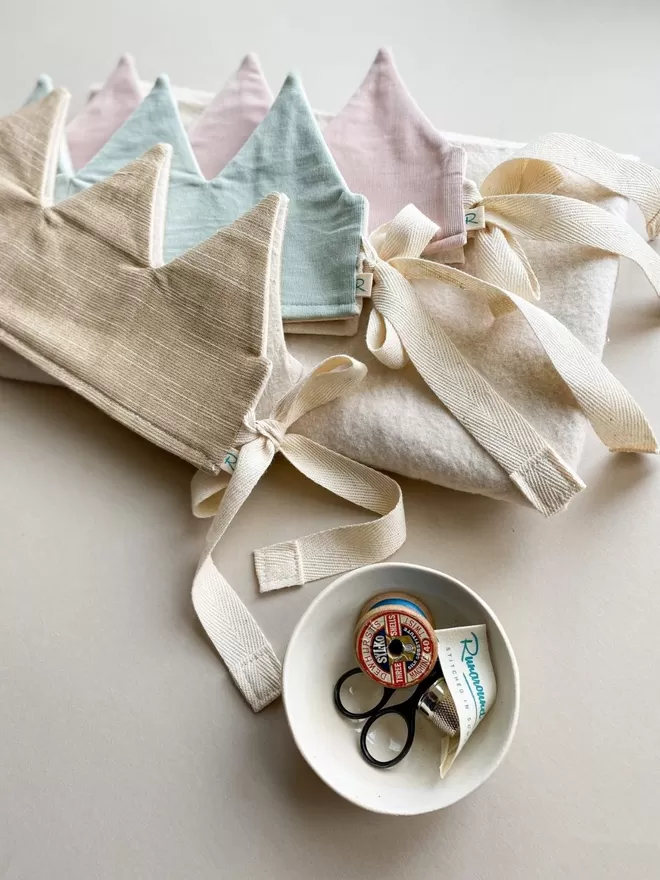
<point>188,353</point>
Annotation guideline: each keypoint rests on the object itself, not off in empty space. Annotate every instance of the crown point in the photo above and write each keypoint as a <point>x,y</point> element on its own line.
<point>292,81</point>
<point>29,142</point>
<point>58,96</point>
<point>44,83</point>
<point>160,151</point>
<point>250,62</point>
<point>384,60</point>
<point>126,66</point>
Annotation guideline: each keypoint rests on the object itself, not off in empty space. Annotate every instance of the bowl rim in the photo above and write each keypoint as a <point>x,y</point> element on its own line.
<point>513,723</point>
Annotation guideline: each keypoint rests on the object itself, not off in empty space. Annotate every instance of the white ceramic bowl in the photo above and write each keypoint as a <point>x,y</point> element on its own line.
<point>321,649</point>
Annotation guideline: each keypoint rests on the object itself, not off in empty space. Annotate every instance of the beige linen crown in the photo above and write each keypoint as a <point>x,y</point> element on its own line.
<point>84,294</point>
<point>190,354</point>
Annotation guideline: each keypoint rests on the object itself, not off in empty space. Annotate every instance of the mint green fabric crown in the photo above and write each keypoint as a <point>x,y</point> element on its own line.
<point>286,153</point>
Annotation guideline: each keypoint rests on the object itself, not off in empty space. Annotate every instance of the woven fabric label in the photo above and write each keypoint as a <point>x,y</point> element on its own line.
<point>229,461</point>
<point>475,218</point>
<point>363,283</point>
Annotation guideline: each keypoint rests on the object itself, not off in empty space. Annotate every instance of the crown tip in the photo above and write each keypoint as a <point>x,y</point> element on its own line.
<point>384,57</point>
<point>292,81</point>
<point>275,198</point>
<point>268,208</point>
<point>160,151</point>
<point>59,94</point>
<point>250,61</point>
<point>161,83</point>
<point>44,83</point>
<point>126,60</point>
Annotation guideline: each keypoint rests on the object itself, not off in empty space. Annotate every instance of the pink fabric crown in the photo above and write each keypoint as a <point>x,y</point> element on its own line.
<point>220,125</point>
<point>104,113</point>
<point>383,144</point>
<point>388,150</point>
<point>231,117</point>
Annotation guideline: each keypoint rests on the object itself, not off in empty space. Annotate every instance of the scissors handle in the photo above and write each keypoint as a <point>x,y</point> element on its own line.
<point>406,711</point>
<point>358,716</point>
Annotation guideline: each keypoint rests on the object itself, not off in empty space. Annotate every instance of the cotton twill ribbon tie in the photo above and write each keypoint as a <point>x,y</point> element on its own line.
<point>400,328</point>
<point>520,201</point>
<point>236,635</point>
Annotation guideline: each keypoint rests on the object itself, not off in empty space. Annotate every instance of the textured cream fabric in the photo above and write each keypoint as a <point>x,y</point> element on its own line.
<point>394,421</point>
<point>238,639</point>
<point>400,329</point>
<point>175,352</point>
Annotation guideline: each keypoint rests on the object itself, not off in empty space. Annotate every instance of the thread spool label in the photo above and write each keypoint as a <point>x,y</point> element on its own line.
<point>396,649</point>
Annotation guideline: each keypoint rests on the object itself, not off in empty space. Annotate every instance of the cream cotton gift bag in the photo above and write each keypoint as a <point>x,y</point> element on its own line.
<point>189,354</point>
<point>551,378</point>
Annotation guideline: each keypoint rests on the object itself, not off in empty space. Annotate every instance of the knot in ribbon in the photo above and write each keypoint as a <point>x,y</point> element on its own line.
<point>404,237</point>
<point>496,252</point>
<point>520,200</point>
<point>272,430</point>
<point>330,379</point>
<point>244,648</point>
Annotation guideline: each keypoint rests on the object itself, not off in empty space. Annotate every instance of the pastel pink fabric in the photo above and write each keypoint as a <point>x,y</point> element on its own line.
<point>104,113</point>
<point>231,117</point>
<point>390,152</point>
<point>384,146</point>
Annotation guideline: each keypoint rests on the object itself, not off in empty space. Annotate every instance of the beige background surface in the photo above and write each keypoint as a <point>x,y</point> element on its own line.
<point>124,750</point>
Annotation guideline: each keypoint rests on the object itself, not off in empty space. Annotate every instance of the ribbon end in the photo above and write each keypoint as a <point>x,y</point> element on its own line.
<point>278,566</point>
<point>649,447</point>
<point>260,679</point>
<point>547,482</point>
<point>653,227</point>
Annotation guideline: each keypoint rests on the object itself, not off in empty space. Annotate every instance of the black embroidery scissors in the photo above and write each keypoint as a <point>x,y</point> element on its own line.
<point>431,697</point>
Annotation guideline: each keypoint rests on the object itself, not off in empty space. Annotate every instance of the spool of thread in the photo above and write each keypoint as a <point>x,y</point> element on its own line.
<point>395,642</point>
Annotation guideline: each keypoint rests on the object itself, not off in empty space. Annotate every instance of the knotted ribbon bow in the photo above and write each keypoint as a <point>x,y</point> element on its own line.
<point>236,635</point>
<point>401,329</point>
<point>519,200</point>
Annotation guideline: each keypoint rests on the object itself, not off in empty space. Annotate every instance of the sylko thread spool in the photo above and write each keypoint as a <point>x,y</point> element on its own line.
<point>395,642</point>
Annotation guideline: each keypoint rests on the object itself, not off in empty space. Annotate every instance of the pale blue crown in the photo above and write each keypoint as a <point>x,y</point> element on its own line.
<point>286,153</point>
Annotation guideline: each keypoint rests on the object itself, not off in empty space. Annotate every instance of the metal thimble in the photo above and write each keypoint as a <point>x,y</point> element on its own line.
<point>438,706</point>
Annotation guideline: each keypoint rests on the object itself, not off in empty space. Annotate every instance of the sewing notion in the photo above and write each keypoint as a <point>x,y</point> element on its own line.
<point>390,749</point>
<point>396,646</point>
<point>394,640</point>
